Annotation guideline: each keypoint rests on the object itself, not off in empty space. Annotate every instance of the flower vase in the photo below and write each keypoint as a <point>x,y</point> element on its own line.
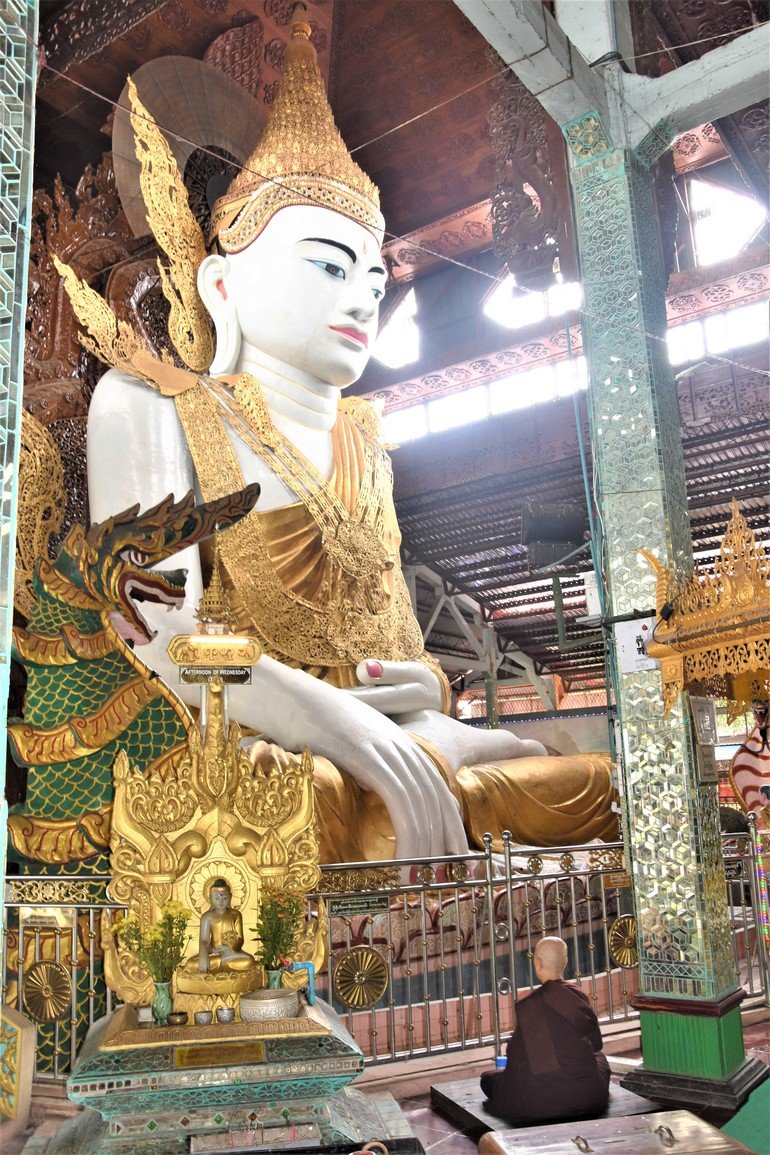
<point>162,1004</point>
<point>274,980</point>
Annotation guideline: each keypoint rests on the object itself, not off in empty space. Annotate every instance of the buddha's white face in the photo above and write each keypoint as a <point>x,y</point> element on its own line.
<point>307,291</point>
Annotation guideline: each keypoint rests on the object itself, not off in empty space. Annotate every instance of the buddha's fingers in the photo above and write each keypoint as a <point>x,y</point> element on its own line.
<point>391,700</point>
<point>296,710</point>
<point>441,804</point>
<point>394,687</point>
<point>399,789</point>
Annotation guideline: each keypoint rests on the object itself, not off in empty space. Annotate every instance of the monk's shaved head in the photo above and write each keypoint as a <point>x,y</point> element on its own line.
<point>551,954</point>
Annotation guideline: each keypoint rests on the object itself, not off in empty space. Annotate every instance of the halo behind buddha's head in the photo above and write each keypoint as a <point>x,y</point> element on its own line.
<point>301,159</point>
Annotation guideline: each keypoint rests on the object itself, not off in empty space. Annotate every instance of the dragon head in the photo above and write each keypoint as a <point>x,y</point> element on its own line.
<point>110,563</point>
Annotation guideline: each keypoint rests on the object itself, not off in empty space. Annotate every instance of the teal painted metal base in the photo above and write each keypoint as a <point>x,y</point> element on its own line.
<point>693,1054</point>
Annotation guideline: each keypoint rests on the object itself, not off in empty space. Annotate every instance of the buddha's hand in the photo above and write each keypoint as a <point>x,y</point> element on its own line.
<point>297,710</point>
<point>395,687</point>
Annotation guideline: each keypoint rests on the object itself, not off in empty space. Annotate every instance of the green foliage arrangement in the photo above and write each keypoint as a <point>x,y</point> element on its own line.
<point>277,926</point>
<point>161,949</point>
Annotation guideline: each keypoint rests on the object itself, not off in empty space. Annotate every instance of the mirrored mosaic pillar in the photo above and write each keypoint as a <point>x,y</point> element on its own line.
<point>691,1030</point>
<point>18,63</point>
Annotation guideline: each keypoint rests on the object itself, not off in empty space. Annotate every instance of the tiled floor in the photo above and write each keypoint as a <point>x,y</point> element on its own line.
<point>756,1040</point>
<point>437,1135</point>
<point>440,1137</point>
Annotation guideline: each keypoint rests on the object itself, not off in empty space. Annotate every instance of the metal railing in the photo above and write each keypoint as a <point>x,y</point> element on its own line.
<point>457,935</point>
<point>746,899</point>
<point>444,947</point>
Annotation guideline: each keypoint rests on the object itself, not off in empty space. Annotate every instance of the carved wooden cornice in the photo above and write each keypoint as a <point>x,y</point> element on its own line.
<point>83,28</point>
<point>457,235</point>
<point>699,147</point>
<point>692,294</point>
<point>479,370</point>
<point>700,300</point>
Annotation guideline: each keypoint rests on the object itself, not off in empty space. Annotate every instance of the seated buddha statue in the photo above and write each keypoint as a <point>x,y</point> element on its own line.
<point>220,940</point>
<point>293,286</point>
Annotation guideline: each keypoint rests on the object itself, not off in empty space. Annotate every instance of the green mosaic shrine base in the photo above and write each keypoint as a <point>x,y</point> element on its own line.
<point>346,1120</point>
<point>149,1091</point>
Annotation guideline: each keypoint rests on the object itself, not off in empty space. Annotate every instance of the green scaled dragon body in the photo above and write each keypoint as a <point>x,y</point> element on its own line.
<point>88,696</point>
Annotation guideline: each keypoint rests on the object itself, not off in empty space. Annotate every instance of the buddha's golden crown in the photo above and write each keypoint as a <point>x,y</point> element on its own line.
<point>301,159</point>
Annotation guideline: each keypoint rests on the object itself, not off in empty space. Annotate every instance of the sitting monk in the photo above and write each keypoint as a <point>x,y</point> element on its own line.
<point>293,288</point>
<point>221,935</point>
<point>555,1068</point>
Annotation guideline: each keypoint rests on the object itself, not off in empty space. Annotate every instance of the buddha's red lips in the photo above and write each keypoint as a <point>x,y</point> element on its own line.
<point>352,334</point>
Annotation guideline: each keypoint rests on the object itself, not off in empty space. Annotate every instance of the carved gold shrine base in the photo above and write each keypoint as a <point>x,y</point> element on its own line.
<point>125,1033</point>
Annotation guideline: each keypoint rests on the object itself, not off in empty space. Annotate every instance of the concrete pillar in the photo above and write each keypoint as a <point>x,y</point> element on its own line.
<point>616,126</point>
<point>596,27</point>
<point>690,1019</point>
<point>18,64</point>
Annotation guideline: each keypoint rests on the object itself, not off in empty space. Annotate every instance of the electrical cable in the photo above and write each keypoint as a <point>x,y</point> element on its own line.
<point>635,329</point>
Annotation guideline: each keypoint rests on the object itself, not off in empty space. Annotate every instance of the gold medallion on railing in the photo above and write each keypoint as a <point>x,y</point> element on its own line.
<point>622,942</point>
<point>47,991</point>
<point>361,978</point>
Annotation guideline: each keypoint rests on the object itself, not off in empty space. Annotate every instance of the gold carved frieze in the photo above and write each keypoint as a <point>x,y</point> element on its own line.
<point>124,1033</point>
<point>716,624</point>
<point>353,881</point>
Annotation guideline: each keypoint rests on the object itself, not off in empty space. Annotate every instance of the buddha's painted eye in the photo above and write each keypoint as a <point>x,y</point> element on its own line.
<point>332,268</point>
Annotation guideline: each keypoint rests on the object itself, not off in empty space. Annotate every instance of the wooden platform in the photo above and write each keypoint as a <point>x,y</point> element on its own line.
<point>463,1103</point>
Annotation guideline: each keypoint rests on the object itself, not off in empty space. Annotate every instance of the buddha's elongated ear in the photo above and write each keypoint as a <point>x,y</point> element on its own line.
<point>221,308</point>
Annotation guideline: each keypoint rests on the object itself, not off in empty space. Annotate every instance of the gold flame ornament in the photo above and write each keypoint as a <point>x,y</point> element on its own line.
<point>301,159</point>
<point>178,234</point>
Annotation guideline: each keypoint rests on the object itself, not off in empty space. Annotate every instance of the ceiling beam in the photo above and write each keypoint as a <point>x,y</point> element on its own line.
<point>722,82</point>
<point>528,38</point>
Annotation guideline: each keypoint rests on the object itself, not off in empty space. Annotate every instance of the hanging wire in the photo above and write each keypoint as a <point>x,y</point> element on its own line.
<point>668,48</point>
<point>598,318</point>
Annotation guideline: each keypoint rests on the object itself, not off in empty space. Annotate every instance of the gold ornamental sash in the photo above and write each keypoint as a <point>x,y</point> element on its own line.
<point>363,609</point>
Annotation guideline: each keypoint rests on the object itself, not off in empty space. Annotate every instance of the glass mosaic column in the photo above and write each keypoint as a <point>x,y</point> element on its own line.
<point>690,1019</point>
<point>18,63</point>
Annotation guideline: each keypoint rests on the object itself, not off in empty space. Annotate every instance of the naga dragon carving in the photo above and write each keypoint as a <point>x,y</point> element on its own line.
<point>88,694</point>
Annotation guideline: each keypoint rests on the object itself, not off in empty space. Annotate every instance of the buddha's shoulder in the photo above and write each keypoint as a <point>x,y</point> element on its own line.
<point>117,390</point>
<point>364,415</point>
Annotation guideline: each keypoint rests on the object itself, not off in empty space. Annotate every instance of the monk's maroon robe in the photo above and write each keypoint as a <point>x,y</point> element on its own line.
<point>555,1068</point>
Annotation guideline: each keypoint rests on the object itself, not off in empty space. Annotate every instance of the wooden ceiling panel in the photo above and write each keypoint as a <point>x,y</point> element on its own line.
<point>427,56</point>
<point>177,28</point>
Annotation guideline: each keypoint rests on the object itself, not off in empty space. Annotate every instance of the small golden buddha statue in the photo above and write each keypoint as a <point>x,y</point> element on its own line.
<point>221,935</point>
<point>221,961</point>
